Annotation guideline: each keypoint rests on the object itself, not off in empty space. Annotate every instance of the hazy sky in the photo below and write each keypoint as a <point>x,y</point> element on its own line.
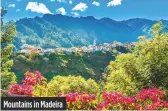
<point>115,9</point>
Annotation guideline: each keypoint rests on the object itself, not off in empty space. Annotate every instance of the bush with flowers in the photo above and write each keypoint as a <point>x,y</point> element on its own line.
<point>31,79</point>
<point>76,101</point>
<point>151,99</point>
<point>146,99</point>
<point>35,84</point>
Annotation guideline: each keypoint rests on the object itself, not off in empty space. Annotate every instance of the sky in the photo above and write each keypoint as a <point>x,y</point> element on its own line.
<point>114,9</point>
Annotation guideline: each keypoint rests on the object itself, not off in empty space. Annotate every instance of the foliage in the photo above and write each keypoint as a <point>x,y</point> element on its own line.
<point>21,89</point>
<point>80,96</point>
<point>77,101</point>
<point>61,84</point>
<point>146,67</point>
<point>146,99</point>
<point>131,82</point>
<point>122,75</point>
<point>32,78</point>
<point>41,89</point>
<point>7,79</point>
<point>26,88</point>
<point>8,33</point>
<point>116,101</point>
<point>151,99</point>
<point>87,65</point>
<point>152,61</point>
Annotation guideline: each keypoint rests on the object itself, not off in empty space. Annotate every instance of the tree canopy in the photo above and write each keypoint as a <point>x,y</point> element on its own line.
<point>146,67</point>
<point>8,33</point>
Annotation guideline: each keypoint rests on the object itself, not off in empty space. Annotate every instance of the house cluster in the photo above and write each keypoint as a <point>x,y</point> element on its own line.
<point>90,48</point>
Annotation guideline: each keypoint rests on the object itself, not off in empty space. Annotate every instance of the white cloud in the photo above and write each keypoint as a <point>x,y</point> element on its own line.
<point>96,3</point>
<point>61,11</point>
<point>70,1</point>
<point>11,5</point>
<point>114,3</point>
<point>37,7</point>
<point>81,6</point>
<point>75,14</point>
<point>17,10</point>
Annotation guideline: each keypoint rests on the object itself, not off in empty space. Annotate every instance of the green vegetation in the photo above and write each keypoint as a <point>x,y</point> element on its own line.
<point>146,67</point>
<point>8,32</point>
<point>87,65</point>
<point>66,84</point>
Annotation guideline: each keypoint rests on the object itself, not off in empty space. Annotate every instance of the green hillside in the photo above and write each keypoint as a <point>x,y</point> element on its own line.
<point>88,65</point>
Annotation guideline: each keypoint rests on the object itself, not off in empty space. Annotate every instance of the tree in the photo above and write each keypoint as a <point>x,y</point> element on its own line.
<point>146,67</point>
<point>7,35</point>
<point>122,75</point>
<point>152,61</point>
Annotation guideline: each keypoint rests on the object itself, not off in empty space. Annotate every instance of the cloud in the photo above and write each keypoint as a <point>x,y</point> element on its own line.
<point>81,6</point>
<point>96,3</point>
<point>61,11</point>
<point>17,10</point>
<point>37,7</point>
<point>70,1</point>
<point>75,14</point>
<point>11,5</point>
<point>114,3</point>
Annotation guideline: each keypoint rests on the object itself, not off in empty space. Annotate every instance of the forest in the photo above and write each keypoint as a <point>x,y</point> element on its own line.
<point>136,80</point>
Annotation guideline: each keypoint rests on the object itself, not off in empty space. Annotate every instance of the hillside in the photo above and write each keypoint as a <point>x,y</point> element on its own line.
<point>88,65</point>
<point>51,31</point>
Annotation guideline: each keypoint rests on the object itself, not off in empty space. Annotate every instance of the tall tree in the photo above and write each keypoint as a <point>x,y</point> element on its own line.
<point>146,67</point>
<point>8,32</point>
<point>152,62</point>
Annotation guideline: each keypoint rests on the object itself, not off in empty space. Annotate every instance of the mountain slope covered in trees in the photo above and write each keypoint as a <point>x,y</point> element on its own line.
<point>51,31</point>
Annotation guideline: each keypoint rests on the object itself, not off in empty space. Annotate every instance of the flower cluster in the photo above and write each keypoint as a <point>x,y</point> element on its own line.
<point>80,101</point>
<point>146,99</point>
<point>151,99</point>
<point>21,89</point>
<point>31,79</point>
<point>116,101</point>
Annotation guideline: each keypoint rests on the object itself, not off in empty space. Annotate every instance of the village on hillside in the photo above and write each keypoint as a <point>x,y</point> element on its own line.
<point>91,48</point>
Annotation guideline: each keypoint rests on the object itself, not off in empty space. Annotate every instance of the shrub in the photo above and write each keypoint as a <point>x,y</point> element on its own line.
<point>21,89</point>
<point>146,99</point>
<point>61,84</point>
<point>76,101</point>
<point>31,79</point>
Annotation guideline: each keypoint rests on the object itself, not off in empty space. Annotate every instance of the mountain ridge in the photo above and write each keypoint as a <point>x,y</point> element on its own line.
<point>51,31</point>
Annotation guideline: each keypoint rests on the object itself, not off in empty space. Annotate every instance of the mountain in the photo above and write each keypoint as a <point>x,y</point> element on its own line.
<point>51,31</point>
